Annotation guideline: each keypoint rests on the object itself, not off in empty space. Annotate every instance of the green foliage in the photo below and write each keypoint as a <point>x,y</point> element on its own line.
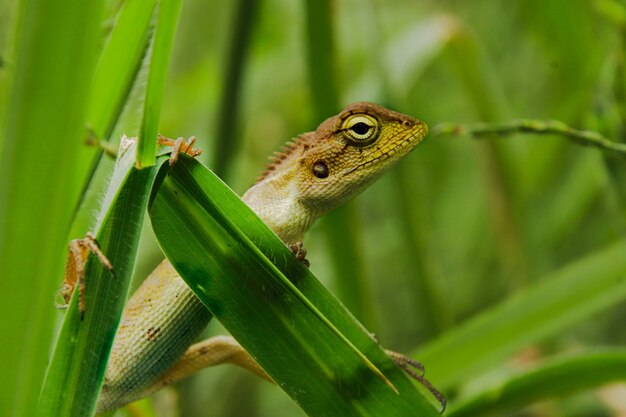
<point>118,66</point>
<point>561,376</point>
<point>79,360</point>
<point>41,170</point>
<point>558,302</point>
<point>472,254</point>
<point>293,327</point>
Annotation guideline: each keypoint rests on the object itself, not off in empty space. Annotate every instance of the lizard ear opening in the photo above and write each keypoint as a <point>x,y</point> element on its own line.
<point>320,170</point>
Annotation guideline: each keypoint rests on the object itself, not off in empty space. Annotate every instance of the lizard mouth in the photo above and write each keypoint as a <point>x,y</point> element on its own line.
<point>400,149</point>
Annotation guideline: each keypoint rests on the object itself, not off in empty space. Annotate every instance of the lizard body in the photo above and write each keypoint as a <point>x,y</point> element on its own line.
<point>317,172</point>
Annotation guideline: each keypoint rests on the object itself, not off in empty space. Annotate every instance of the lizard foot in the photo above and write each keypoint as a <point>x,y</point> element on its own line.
<point>179,146</point>
<point>300,253</point>
<point>78,251</point>
<point>409,365</point>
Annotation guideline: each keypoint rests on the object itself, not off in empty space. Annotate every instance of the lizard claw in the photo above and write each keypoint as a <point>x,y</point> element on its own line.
<point>409,365</point>
<point>79,249</point>
<point>300,253</point>
<point>179,146</point>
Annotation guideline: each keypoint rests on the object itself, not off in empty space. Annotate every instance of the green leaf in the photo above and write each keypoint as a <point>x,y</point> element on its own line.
<point>118,66</point>
<point>42,158</point>
<point>79,360</point>
<point>559,301</point>
<point>554,378</point>
<point>283,322</point>
<point>161,48</point>
<point>117,75</point>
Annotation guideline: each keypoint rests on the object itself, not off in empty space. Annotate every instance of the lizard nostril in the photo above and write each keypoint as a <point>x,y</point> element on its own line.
<point>407,123</point>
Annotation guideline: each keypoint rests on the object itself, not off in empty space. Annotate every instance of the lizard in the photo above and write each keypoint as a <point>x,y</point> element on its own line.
<point>315,173</point>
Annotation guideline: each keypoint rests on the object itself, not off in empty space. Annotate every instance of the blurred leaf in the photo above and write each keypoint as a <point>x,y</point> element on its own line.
<point>613,10</point>
<point>283,322</point>
<point>558,377</point>
<point>497,163</point>
<point>552,305</point>
<point>42,160</point>
<point>79,360</point>
<point>408,54</point>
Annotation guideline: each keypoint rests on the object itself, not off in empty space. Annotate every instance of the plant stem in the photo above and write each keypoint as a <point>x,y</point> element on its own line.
<point>540,127</point>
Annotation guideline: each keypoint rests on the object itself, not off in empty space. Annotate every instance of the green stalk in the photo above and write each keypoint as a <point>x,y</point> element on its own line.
<point>340,226</point>
<point>473,73</point>
<point>227,134</point>
<point>167,14</point>
<point>539,127</point>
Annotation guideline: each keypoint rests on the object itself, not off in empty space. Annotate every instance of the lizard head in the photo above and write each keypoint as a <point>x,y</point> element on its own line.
<point>349,151</point>
<point>320,170</point>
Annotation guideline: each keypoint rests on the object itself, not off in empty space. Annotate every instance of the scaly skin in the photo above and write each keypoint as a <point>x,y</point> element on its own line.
<point>317,172</point>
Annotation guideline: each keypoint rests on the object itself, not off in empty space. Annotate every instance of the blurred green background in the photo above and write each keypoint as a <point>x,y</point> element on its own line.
<point>461,224</point>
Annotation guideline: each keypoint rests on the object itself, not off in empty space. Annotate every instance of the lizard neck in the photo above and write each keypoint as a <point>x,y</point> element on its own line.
<point>275,200</point>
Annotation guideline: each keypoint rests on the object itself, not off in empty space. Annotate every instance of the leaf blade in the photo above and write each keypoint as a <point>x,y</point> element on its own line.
<point>556,303</point>
<point>42,155</point>
<point>553,378</point>
<point>80,355</point>
<point>167,19</point>
<point>301,353</point>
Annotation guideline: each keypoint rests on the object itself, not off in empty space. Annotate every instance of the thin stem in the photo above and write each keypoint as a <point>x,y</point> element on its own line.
<point>541,127</point>
<point>226,135</point>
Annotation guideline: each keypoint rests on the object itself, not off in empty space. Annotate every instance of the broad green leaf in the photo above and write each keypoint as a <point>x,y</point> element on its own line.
<point>554,378</point>
<point>272,304</point>
<point>552,305</point>
<point>42,159</point>
<point>159,56</point>
<point>80,355</point>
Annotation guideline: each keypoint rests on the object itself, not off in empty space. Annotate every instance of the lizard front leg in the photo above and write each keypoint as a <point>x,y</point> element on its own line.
<point>78,252</point>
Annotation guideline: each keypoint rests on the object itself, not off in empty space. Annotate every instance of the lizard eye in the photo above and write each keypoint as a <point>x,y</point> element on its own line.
<point>361,129</point>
